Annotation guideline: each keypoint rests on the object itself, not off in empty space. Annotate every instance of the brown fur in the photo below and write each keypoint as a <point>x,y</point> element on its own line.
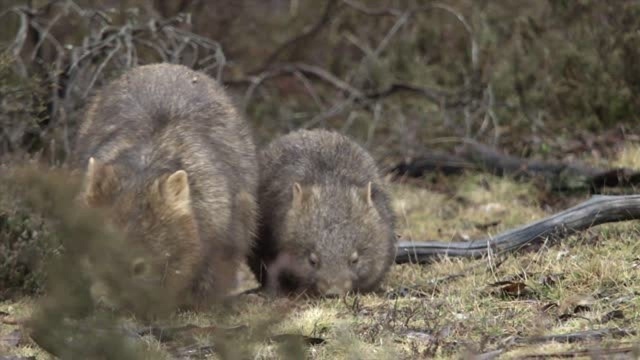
<point>326,227</point>
<point>177,163</point>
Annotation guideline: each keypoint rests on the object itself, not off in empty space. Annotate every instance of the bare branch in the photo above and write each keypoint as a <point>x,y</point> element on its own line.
<point>21,35</point>
<point>433,95</point>
<point>73,70</point>
<point>45,33</point>
<point>465,23</point>
<point>290,69</point>
<point>101,67</point>
<point>310,89</point>
<point>372,11</point>
<point>304,36</point>
<point>399,13</point>
<point>333,111</point>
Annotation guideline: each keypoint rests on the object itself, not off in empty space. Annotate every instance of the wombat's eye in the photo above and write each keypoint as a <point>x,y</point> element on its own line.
<point>139,267</point>
<point>313,259</point>
<point>354,257</point>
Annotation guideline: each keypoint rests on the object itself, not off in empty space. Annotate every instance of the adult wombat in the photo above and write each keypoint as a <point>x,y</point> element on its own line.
<point>163,147</point>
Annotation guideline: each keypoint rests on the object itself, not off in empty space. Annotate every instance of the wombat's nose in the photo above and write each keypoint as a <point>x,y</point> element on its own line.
<point>347,285</point>
<point>100,295</point>
<point>334,288</point>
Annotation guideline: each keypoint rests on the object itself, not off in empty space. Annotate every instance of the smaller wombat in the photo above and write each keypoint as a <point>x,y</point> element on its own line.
<point>326,223</point>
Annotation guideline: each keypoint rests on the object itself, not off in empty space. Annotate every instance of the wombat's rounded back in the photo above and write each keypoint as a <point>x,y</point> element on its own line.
<point>317,157</point>
<point>149,99</point>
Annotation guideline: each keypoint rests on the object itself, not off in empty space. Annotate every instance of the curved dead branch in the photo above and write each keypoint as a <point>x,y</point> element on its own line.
<point>439,6</point>
<point>436,96</point>
<point>560,176</point>
<point>595,211</point>
<point>305,35</point>
<point>382,11</point>
<point>439,97</point>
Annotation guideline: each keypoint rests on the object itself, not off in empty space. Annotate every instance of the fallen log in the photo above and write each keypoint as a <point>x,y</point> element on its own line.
<point>598,210</point>
<point>436,161</point>
<point>560,176</point>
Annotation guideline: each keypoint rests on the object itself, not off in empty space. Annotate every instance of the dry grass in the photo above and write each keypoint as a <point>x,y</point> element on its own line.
<point>589,281</point>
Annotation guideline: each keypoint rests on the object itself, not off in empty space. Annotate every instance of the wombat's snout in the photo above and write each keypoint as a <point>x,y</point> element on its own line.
<point>334,288</point>
<point>101,295</point>
<point>139,267</point>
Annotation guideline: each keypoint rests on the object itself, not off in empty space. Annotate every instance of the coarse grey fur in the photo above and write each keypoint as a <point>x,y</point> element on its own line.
<point>321,230</point>
<point>154,121</point>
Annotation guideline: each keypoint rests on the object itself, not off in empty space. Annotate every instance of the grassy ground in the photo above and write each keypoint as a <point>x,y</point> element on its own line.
<point>589,281</point>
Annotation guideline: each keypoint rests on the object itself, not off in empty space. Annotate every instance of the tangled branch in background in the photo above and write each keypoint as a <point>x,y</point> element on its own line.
<point>462,94</point>
<point>473,98</point>
<point>73,71</point>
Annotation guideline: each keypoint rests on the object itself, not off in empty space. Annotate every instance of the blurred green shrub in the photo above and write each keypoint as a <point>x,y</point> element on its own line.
<point>26,243</point>
<point>22,108</point>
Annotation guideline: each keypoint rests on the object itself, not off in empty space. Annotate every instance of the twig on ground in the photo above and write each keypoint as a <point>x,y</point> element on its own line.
<point>596,352</point>
<point>487,355</point>
<point>576,336</point>
<point>587,335</point>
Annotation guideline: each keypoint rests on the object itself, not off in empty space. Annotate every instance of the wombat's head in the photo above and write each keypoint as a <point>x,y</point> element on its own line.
<point>334,241</point>
<point>154,215</point>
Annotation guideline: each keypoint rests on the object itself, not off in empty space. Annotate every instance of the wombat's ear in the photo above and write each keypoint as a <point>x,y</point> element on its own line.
<point>101,183</point>
<point>176,193</point>
<point>298,195</point>
<point>367,193</point>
